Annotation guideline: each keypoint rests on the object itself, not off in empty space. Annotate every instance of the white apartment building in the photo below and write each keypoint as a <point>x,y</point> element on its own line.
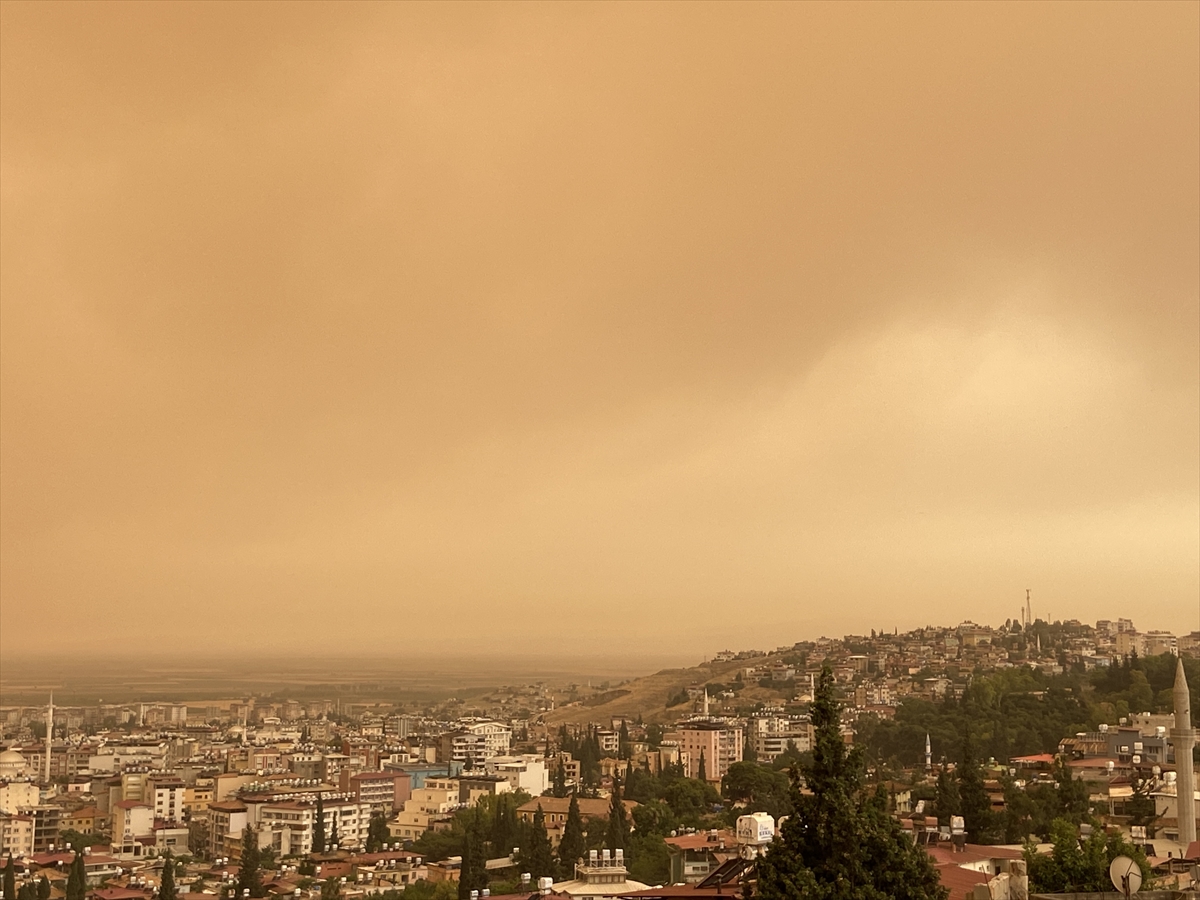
<point>497,737</point>
<point>523,773</point>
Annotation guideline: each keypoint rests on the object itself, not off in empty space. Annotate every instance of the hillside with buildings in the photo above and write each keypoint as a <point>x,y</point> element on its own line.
<point>1058,721</point>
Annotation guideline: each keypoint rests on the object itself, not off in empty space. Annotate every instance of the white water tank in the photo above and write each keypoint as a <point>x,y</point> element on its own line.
<point>755,829</point>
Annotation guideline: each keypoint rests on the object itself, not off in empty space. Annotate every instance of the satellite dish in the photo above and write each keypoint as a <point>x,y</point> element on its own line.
<point>1126,875</point>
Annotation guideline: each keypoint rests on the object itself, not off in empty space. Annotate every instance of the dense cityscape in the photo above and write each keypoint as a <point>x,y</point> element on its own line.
<point>988,746</point>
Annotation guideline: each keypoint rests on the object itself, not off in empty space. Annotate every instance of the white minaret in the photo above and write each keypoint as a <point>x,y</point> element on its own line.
<point>706,700</point>
<point>1184,740</point>
<point>928,754</point>
<point>49,733</point>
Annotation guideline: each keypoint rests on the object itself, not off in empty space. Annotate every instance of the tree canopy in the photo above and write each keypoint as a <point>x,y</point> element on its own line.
<point>840,843</point>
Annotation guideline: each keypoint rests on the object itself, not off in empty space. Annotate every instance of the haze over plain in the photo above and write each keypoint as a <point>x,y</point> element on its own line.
<point>594,328</point>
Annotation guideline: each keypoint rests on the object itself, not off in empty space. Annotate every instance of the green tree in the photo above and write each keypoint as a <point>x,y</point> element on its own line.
<point>331,889</point>
<point>691,800</point>
<point>537,856</point>
<point>749,787</point>
<point>1079,866</point>
<point>617,835</point>
<point>573,844</point>
<point>10,880</point>
<point>947,801</point>
<point>702,773</point>
<point>976,804</point>
<point>249,872</point>
<point>506,830</point>
<point>43,888</point>
<point>77,878</point>
<point>649,859</point>
<point>1140,807</point>
<point>377,832</point>
<point>840,843</point>
<point>559,785</point>
<point>473,874</point>
<point>334,837</point>
<point>625,745</point>
<point>1072,794</point>
<point>28,891</point>
<point>318,839</point>
<point>1019,811</point>
<point>166,888</point>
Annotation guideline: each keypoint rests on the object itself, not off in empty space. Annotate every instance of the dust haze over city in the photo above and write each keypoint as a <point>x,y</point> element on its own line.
<point>599,451</point>
<point>591,337</point>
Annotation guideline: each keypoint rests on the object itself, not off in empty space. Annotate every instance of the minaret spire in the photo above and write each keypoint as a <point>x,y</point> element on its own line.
<point>49,733</point>
<point>928,754</point>
<point>1184,739</point>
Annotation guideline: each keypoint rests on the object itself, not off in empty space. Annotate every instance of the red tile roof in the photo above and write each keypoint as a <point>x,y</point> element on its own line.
<point>959,881</point>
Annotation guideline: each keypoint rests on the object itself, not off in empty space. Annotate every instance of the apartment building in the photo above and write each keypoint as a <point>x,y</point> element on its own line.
<point>227,819</point>
<point>717,743</point>
<point>16,835</point>
<point>131,820</point>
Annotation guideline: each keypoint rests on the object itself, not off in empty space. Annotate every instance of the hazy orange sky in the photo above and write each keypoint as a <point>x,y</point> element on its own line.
<point>585,328</point>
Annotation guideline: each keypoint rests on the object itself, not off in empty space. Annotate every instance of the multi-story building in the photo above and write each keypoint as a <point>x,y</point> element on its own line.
<point>436,798</point>
<point>468,749</point>
<point>379,790</point>
<point>1156,643</point>
<point>523,773</point>
<point>46,819</point>
<point>16,835</point>
<point>131,820</point>
<point>496,735</point>
<point>166,795</point>
<point>227,819</point>
<point>716,745</point>
<point>770,735</point>
<point>609,741</point>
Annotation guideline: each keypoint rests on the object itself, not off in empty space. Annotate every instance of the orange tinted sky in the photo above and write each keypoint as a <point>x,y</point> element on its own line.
<point>595,326</point>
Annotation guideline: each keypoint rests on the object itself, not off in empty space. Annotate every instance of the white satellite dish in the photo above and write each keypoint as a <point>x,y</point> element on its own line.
<point>1126,875</point>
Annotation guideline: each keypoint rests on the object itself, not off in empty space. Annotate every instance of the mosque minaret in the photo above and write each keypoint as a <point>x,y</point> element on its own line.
<point>1184,739</point>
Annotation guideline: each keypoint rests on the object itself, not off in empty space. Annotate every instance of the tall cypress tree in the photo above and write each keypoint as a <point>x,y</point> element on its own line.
<point>976,804</point>
<point>249,874</point>
<point>840,843</point>
<point>166,889</point>
<point>10,880</point>
<point>318,841</point>
<point>559,785</point>
<point>537,857</point>
<point>77,878</point>
<point>573,844</point>
<point>617,835</point>
<point>703,773</point>
<point>947,801</point>
<point>473,874</point>
<point>43,888</point>
<point>334,837</point>
<point>377,832</point>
